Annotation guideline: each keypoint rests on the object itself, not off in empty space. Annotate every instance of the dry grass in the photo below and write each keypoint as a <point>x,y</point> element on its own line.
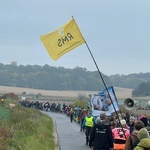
<point>121,93</point>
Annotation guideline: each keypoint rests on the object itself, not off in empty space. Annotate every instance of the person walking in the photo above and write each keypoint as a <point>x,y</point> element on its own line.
<point>131,124</point>
<point>81,117</point>
<point>133,139</point>
<point>144,119</point>
<point>144,143</point>
<point>88,124</point>
<point>101,135</point>
<point>71,114</point>
<point>120,134</point>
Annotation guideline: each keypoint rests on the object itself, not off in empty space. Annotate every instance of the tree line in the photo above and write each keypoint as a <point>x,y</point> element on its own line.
<point>48,77</point>
<point>142,90</point>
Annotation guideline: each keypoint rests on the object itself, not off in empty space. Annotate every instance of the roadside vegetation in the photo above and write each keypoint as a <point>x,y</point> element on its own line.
<point>82,101</point>
<point>24,128</point>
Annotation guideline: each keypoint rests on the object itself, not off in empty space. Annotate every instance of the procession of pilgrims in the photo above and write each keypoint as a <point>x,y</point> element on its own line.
<point>128,131</point>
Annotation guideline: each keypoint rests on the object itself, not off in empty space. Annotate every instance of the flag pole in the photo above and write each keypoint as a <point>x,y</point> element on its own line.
<point>101,76</point>
<point>105,86</point>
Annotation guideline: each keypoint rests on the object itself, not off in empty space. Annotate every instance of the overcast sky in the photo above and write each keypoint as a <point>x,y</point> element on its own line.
<point>117,32</point>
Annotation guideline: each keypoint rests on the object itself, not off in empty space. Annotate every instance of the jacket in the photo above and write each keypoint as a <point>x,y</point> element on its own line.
<point>129,144</point>
<point>144,144</point>
<point>101,136</point>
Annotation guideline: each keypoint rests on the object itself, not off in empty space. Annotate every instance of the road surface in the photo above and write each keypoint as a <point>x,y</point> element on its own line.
<point>69,135</point>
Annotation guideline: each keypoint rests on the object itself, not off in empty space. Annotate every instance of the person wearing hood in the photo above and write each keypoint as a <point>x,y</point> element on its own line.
<point>88,124</point>
<point>144,119</point>
<point>101,135</point>
<point>144,138</point>
<point>131,124</point>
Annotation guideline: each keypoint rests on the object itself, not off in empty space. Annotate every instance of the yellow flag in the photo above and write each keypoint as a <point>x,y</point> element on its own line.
<point>63,40</point>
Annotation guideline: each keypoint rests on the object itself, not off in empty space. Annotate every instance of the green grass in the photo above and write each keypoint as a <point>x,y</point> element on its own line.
<point>4,113</point>
<point>25,129</point>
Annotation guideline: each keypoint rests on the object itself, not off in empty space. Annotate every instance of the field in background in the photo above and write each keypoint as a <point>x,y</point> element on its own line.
<point>121,93</point>
<point>69,96</point>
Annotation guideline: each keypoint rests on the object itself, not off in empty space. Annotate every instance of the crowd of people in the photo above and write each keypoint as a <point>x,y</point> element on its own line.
<point>116,132</point>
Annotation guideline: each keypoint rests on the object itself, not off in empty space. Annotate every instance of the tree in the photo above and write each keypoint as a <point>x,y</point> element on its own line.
<point>142,90</point>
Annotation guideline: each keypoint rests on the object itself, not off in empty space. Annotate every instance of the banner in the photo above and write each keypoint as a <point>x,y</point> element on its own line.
<point>63,40</point>
<point>101,102</point>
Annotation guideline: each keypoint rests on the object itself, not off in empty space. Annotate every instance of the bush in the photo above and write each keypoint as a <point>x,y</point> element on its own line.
<point>81,103</point>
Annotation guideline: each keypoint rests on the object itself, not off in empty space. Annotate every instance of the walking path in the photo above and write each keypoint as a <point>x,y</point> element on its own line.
<point>69,135</point>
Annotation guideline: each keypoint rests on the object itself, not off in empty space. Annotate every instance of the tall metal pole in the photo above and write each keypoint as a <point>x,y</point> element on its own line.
<point>105,87</point>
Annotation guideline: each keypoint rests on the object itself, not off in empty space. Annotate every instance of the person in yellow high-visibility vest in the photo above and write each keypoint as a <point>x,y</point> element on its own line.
<point>88,123</point>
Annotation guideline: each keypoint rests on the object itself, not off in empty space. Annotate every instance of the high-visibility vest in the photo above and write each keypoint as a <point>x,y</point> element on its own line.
<point>118,146</point>
<point>89,122</point>
<point>119,135</point>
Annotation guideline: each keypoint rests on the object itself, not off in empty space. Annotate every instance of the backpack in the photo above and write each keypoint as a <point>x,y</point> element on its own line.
<point>136,143</point>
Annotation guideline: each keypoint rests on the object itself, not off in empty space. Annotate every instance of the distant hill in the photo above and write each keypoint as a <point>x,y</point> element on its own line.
<point>129,81</point>
<point>59,78</point>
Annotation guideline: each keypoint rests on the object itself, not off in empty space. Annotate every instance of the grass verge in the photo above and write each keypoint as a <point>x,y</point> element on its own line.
<point>25,129</point>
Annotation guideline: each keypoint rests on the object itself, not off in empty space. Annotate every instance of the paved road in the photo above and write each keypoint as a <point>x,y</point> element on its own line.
<point>69,135</point>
